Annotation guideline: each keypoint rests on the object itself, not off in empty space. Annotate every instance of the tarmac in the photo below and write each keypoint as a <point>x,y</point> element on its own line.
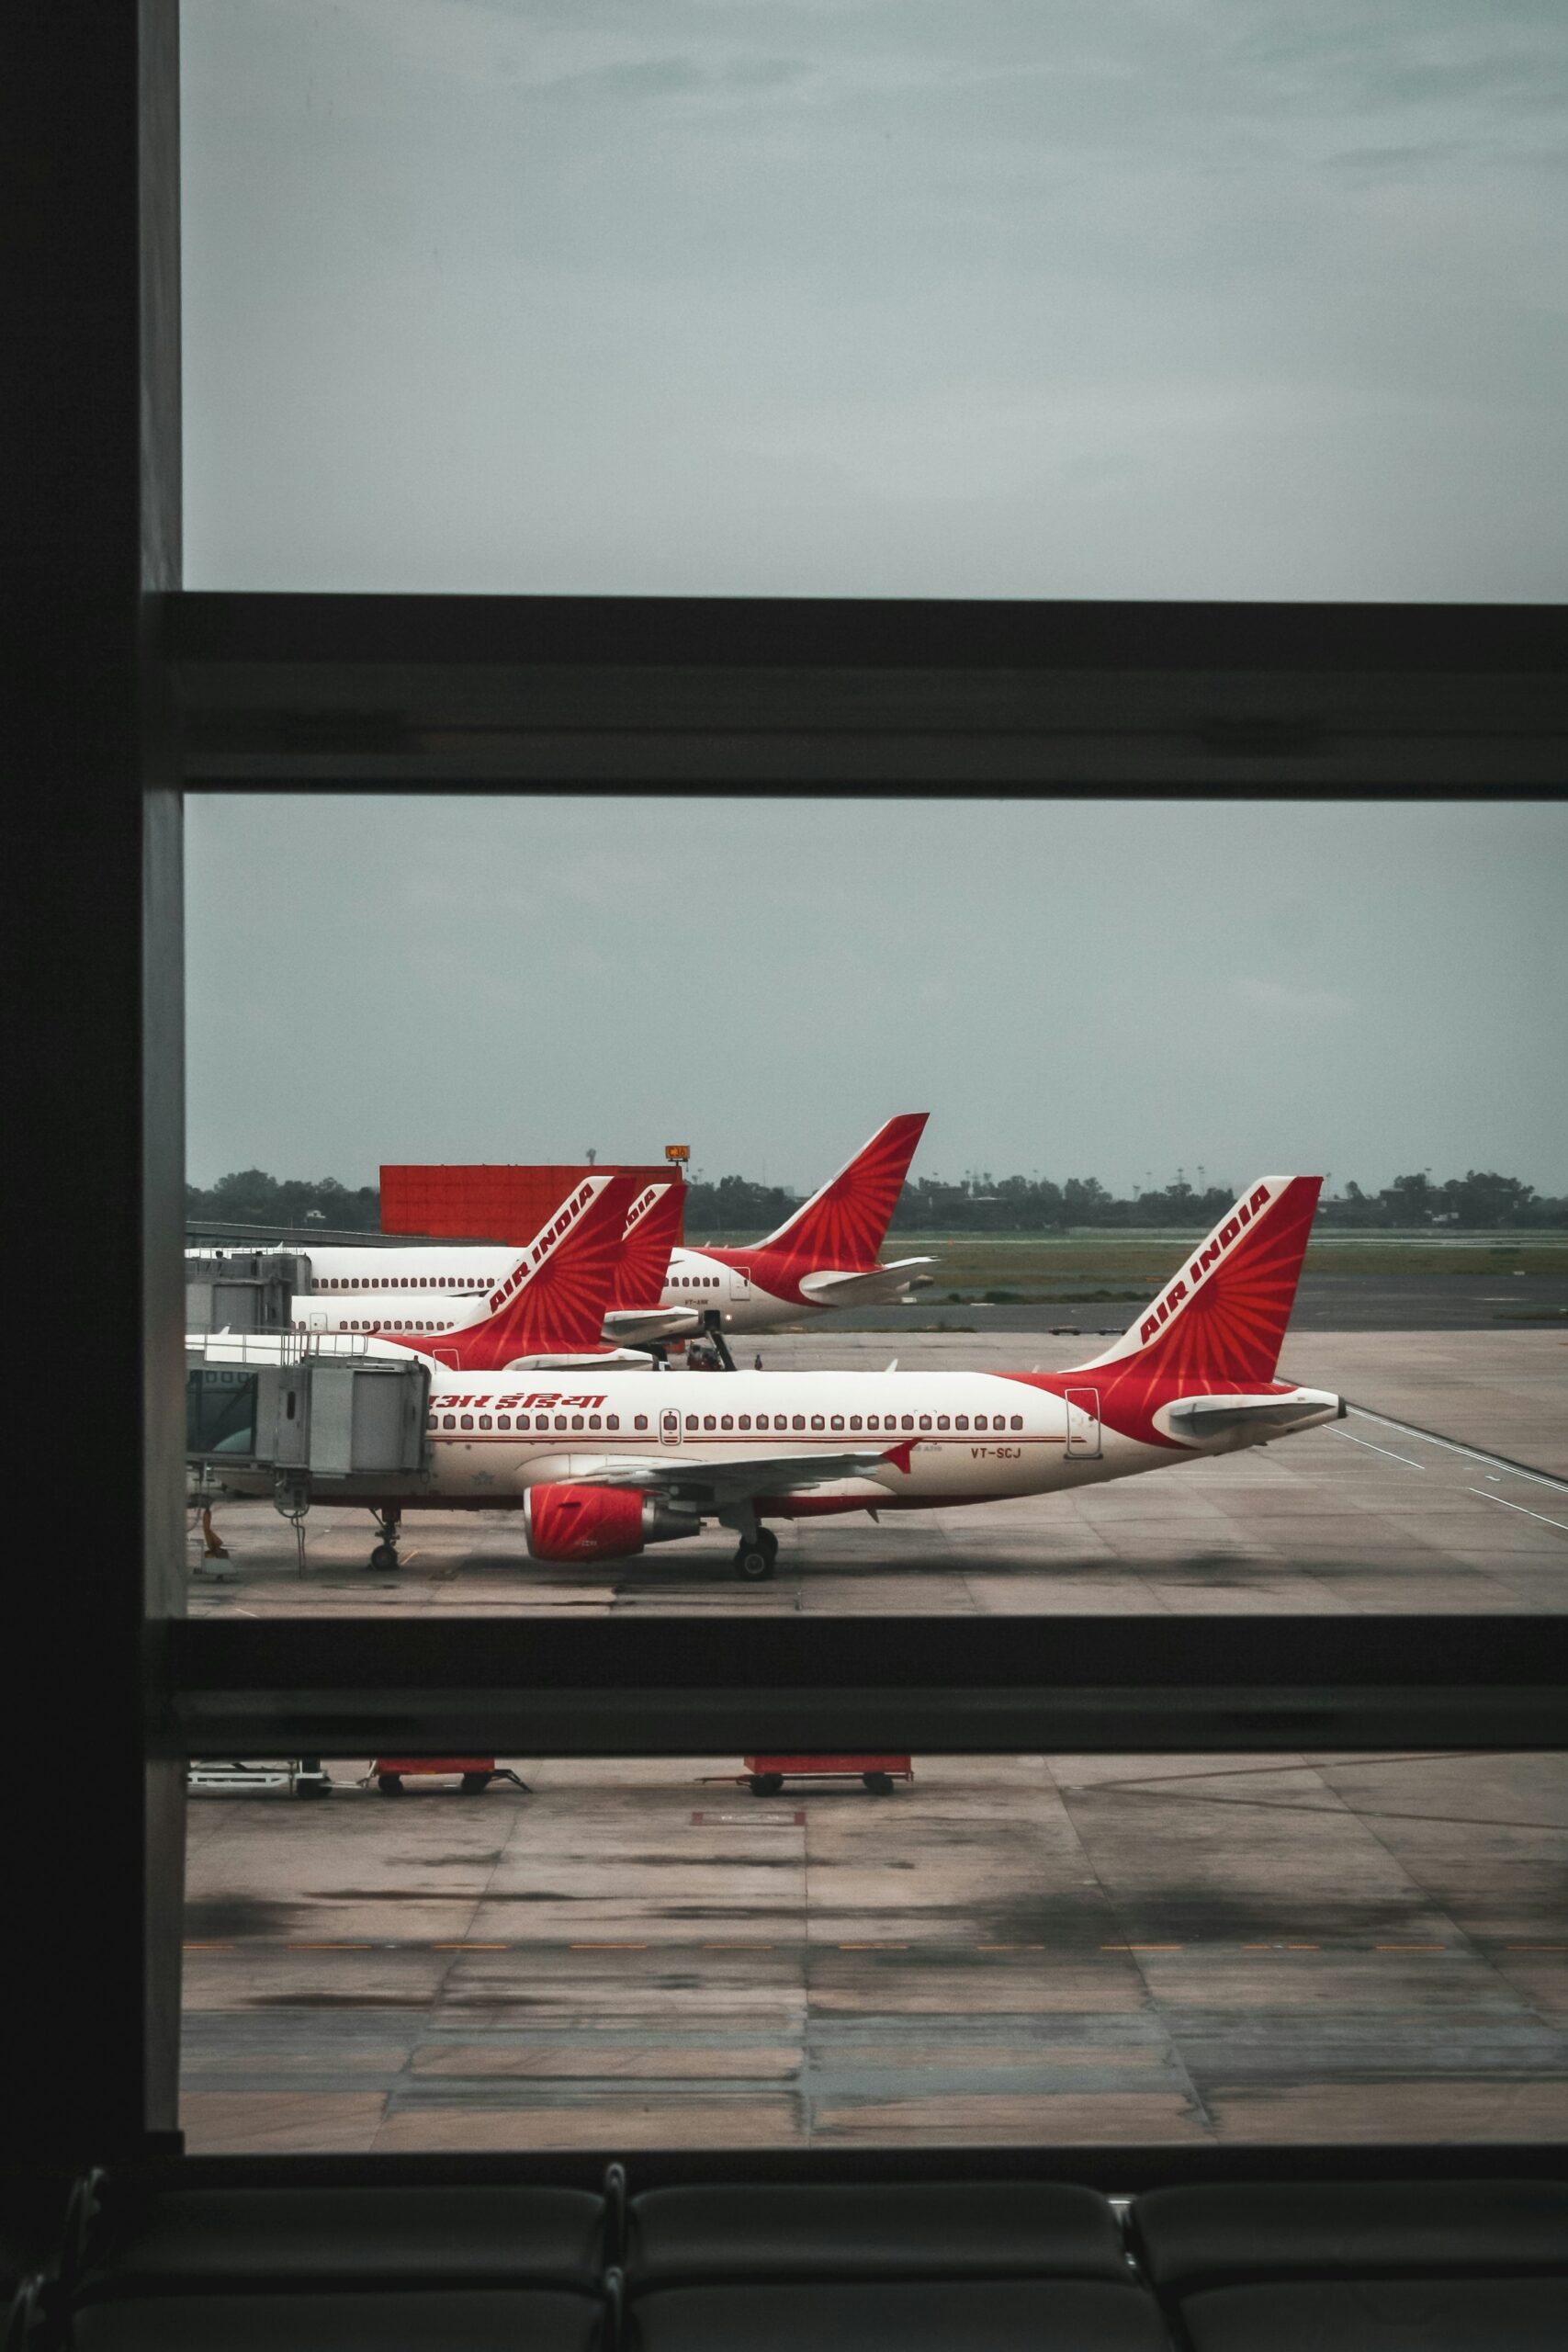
<point>1030,1950</point>
<point>1356,1516</point>
<point>1009,1950</point>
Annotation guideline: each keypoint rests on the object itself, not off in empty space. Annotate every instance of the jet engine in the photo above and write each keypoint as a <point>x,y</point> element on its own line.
<point>598,1523</point>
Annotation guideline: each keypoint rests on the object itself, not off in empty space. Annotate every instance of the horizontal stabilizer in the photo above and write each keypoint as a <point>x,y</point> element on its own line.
<point>649,1323</point>
<point>1200,1419</point>
<point>880,1287</point>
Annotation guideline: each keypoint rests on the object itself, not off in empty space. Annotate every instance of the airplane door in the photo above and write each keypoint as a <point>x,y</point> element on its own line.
<point>1083,1424</point>
<point>740,1282</point>
<point>669,1427</point>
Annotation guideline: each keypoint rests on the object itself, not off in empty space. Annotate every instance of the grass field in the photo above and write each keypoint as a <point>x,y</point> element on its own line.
<point>1124,1266</point>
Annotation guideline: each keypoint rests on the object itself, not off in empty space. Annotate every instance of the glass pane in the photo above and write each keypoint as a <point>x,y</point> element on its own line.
<point>1028,1949</point>
<point>863,301</point>
<point>1021,1361</point>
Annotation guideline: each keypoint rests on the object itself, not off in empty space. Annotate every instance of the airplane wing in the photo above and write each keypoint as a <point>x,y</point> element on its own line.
<point>717,1483</point>
<point>873,1289</point>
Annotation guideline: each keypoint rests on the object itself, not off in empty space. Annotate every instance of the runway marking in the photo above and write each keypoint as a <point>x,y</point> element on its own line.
<point>1486,1498</point>
<point>1535,1947</point>
<point>600,1946</point>
<point>1371,1448</point>
<point>1411,1946</point>
<point>1453,1446</point>
<point>332,1947</point>
<point>1143,1947</point>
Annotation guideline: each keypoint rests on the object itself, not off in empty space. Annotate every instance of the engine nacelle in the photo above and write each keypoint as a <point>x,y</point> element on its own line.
<point>598,1523</point>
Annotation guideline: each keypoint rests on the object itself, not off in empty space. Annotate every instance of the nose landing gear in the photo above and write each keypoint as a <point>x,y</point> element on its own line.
<point>384,1558</point>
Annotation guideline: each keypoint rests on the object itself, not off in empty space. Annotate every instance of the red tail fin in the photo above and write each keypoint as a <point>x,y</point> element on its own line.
<point>554,1301</point>
<point>844,1224</point>
<point>653,1230</point>
<point>1223,1315</point>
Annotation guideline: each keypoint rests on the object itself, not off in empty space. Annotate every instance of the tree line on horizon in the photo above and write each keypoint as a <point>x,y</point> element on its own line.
<point>735,1206</point>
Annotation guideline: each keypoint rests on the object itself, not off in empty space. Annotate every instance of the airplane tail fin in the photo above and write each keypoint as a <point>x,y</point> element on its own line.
<point>844,1224</point>
<point>1223,1317</point>
<point>654,1226</point>
<point>555,1298</point>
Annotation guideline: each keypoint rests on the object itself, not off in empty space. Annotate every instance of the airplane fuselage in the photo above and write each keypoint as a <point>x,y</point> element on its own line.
<point>752,1290</point>
<point>959,1437</point>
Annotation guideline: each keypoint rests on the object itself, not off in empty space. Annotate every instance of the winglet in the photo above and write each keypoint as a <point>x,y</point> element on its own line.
<point>900,1454</point>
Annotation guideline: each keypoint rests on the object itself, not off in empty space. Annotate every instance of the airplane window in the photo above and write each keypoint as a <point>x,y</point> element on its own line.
<point>979,1420</point>
<point>484,1421</point>
<point>577,1420</point>
<point>690,1421</point>
<point>925,1421</point>
<point>800,1421</point>
<point>818,1423</point>
<point>560,1421</point>
<point>726,1420</point>
<point>873,1421</point>
<point>612,1421</point>
<point>854,1420</point>
<point>837,1421</point>
<point>503,1420</point>
<point>594,1421</point>
<point>433,1420</point>
<point>745,1420</point>
<point>941,1421</point>
<point>466,1421</point>
<point>640,1421</point>
<point>449,1421</point>
<point>908,1421</point>
<point>710,1421</point>
<point>1018,1421</point>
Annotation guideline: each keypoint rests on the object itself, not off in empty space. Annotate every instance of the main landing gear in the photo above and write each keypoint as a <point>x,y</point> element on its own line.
<point>754,1559</point>
<point>384,1558</point>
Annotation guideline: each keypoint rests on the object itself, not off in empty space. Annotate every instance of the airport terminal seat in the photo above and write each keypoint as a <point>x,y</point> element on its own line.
<point>409,2318</point>
<point>168,2240</point>
<point>883,2316</point>
<point>907,2230</point>
<point>925,2266</point>
<point>1431,2266</point>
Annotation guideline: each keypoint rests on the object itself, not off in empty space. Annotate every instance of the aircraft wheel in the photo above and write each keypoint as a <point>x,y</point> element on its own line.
<point>389,1783</point>
<point>474,1783</point>
<point>755,1562</point>
<point>765,1785</point>
<point>384,1558</point>
<point>879,1783</point>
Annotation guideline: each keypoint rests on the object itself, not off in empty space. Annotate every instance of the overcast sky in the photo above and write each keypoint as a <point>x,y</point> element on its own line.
<point>1170,298</point>
<point>1103,988</point>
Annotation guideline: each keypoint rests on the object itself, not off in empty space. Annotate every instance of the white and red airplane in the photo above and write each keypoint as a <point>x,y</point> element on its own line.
<point>602,1471</point>
<point>824,1256</point>
<point>547,1311</point>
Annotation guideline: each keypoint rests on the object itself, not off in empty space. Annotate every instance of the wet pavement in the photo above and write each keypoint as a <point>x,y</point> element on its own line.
<point>1123,1949</point>
<point>1355,1516</point>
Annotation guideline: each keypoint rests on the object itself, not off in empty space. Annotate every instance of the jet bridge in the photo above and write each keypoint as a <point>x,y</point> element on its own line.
<point>243,1290</point>
<point>271,1406</point>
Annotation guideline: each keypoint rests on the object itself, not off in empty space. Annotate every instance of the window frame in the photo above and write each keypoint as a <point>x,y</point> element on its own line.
<point>138,691</point>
